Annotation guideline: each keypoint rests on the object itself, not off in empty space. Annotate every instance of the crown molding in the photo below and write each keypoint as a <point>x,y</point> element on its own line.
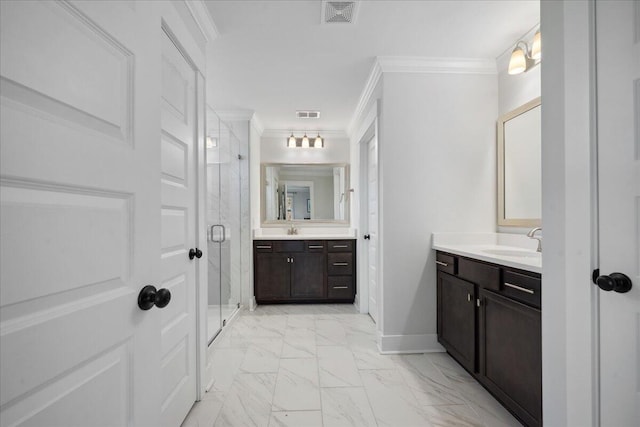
<point>257,124</point>
<point>234,115</point>
<point>415,64</point>
<point>284,133</point>
<point>203,18</point>
<point>365,96</point>
<point>410,64</point>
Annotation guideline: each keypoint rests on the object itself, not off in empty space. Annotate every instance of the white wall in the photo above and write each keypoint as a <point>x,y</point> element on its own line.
<point>274,150</point>
<point>438,173</point>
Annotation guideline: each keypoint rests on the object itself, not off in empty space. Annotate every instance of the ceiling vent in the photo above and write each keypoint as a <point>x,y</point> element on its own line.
<point>339,12</point>
<point>308,114</point>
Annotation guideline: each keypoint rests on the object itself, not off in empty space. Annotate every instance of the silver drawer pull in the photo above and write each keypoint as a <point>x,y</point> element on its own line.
<point>444,264</point>
<point>340,287</point>
<point>263,247</point>
<point>316,246</point>
<point>340,246</point>
<point>520,288</point>
<point>340,264</point>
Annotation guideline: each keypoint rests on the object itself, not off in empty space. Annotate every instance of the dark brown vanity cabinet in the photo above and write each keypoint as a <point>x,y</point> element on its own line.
<point>489,321</point>
<point>304,271</point>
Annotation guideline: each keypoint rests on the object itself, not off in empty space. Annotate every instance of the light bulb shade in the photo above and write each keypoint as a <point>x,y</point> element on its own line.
<point>518,61</point>
<point>291,142</point>
<point>536,47</point>
<point>317,143</point>
<point>305,141</point>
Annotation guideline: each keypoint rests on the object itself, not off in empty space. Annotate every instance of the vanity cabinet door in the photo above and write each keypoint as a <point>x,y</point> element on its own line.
<point>272,276</point>
<point>511,354</point>
<point>457,319</point>
<point>307,280</point>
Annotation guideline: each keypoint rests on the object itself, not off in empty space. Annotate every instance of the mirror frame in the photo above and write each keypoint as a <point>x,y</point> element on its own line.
<point>310,222</point>
<point>502,220</point>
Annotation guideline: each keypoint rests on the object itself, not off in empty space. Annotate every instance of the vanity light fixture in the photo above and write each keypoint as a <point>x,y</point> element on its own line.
<point>305,142</point>
<point>523,58</point>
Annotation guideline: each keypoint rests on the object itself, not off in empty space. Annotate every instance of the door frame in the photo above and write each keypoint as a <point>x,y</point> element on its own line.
<point>368,130</point>
<point>570,372</point>
<point>175,28</point>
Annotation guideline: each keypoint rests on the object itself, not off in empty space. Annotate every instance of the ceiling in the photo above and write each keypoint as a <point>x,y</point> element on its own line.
<point>275,57</point>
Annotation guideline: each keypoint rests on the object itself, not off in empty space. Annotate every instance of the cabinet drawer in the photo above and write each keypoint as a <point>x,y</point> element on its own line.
<point>340,245</point>
<point>340,287</point>
<point>446,263</point>
<point>521,287</point>
<point>484,275</point>
<point>288,246</point>
<point>263,246</point>
<point>315,245</point>
<point>340,264</point>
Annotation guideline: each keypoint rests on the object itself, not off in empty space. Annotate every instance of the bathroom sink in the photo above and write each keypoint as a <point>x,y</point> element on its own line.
<point>520,253</point>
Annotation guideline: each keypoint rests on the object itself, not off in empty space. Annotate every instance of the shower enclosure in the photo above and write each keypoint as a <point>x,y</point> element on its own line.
<point>223,215</point>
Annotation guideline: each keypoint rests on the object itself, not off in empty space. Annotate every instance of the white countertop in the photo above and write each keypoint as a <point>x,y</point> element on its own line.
<point>304,237</point>
<point>499,248</point>
<point>305,233</point>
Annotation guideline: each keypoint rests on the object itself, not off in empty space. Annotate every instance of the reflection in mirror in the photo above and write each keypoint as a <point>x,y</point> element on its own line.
<point>519,166</point>
<point>305,192</point>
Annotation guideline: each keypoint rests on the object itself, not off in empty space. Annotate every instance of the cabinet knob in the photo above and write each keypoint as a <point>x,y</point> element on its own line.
<point>617,282</point>
<point>367,237</point>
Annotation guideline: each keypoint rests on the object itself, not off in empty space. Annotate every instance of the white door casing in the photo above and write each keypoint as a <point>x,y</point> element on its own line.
<point>372,226</point>
<point>618,113</point>
<point>79,221</point>
<point>178,230</point>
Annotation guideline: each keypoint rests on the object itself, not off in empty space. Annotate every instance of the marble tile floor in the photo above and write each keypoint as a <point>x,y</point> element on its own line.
<point>318,365</point>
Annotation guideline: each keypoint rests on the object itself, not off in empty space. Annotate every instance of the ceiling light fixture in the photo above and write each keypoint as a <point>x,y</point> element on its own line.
<point>305,142</point>
<point>523,59</point>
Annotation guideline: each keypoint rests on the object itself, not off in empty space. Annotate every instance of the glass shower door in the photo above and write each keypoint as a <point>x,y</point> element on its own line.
<point>223,221</point>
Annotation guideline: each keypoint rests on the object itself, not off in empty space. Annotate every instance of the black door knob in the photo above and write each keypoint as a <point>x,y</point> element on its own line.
<point>617,282</point>
<point>195,253</point>
<point>367,236</point>
<point>150,296</point>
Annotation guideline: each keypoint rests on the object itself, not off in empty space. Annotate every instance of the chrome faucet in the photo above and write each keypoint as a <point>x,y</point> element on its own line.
<point>531,235</point>
<point>292,230</point>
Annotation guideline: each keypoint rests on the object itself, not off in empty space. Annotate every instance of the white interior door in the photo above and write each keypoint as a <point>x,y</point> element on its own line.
<point>178,216</point>
<point>618,83</point>
<point>79,200</point>
<point>372,222</point>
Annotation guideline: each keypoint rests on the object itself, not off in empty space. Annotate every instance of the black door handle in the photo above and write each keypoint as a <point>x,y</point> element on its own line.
<point>617,282</point>
<point>367,237</point>
<point>149,296</point>
<point>195,253</point>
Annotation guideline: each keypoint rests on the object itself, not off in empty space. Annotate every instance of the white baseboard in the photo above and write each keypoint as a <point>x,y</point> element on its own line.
<point>252,303</point>
<point>399,344</point>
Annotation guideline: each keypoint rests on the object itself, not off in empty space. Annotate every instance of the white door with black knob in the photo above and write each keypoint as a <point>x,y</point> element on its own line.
<point>79,195</point>
<point>618,113</point>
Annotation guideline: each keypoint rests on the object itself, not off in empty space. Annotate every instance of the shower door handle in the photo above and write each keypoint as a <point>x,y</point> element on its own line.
<point>211,233</point>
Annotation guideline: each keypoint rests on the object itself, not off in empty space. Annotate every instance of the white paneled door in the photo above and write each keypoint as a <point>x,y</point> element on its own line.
<point>96,193</point>
<point>618,86</point>
<point>178,222</point>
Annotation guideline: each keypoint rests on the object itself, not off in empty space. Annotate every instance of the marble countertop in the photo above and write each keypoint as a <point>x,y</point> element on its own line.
<point>508,250</point>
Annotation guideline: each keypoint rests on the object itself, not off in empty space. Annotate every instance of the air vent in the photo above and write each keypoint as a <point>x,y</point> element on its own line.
<point>308,114</point>
<point>339,12</point>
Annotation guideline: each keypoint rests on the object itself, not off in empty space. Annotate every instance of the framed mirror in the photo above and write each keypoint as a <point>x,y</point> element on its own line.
<point>520,167</point>
<point>309,193</point>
